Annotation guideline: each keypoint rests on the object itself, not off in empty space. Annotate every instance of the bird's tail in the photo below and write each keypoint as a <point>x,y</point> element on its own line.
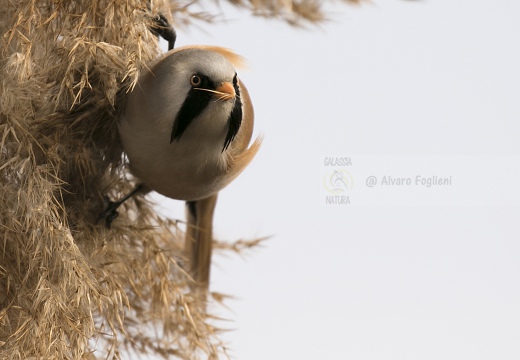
<point>199,238</point>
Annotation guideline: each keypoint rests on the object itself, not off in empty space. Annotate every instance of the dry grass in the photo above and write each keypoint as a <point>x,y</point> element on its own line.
<point>70,288</point>
<point>294,12</point>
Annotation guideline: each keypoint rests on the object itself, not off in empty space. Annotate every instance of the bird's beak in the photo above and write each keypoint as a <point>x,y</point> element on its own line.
<point>225,91</point>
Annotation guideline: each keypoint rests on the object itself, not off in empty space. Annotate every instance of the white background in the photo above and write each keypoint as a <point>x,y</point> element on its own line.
<point>399,78</point>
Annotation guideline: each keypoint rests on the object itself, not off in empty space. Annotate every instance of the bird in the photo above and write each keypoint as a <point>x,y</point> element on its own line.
<point>186,131</point>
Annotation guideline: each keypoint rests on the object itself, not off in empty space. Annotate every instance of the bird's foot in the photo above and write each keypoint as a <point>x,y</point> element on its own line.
<point>110,213</point>
<point>163,28</point>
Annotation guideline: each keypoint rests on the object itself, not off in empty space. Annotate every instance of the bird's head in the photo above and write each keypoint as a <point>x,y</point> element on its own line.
<point>210,85</point>
<point>196,90</point>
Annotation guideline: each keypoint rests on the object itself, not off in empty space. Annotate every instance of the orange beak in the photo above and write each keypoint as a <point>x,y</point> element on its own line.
<point>225,91</point>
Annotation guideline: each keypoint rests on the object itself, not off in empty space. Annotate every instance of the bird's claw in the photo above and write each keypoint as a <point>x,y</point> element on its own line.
<point>163,28</point>
<point>110,213</point>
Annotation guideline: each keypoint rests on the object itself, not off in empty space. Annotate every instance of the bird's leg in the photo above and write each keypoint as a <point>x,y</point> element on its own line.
<point>199,238</point>
<point>163,28</point>
<point>110,213</point>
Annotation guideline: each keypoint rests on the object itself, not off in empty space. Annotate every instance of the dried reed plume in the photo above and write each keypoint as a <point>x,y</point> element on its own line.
<point>69,287</point>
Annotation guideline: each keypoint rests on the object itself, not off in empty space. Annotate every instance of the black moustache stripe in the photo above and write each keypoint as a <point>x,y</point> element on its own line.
<point>195,102</point>
<point>235,118</point>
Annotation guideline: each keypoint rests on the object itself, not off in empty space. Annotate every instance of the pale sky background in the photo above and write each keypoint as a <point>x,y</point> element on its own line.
<point>403,272</point>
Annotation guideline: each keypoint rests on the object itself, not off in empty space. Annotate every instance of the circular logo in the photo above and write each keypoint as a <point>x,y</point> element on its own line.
<point>338,181</point>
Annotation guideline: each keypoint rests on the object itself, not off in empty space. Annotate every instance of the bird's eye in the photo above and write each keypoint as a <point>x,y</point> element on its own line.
<point>195,80</point>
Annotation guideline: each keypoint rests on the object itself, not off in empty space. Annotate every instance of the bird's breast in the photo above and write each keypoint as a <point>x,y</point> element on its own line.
<point>188,168</point>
